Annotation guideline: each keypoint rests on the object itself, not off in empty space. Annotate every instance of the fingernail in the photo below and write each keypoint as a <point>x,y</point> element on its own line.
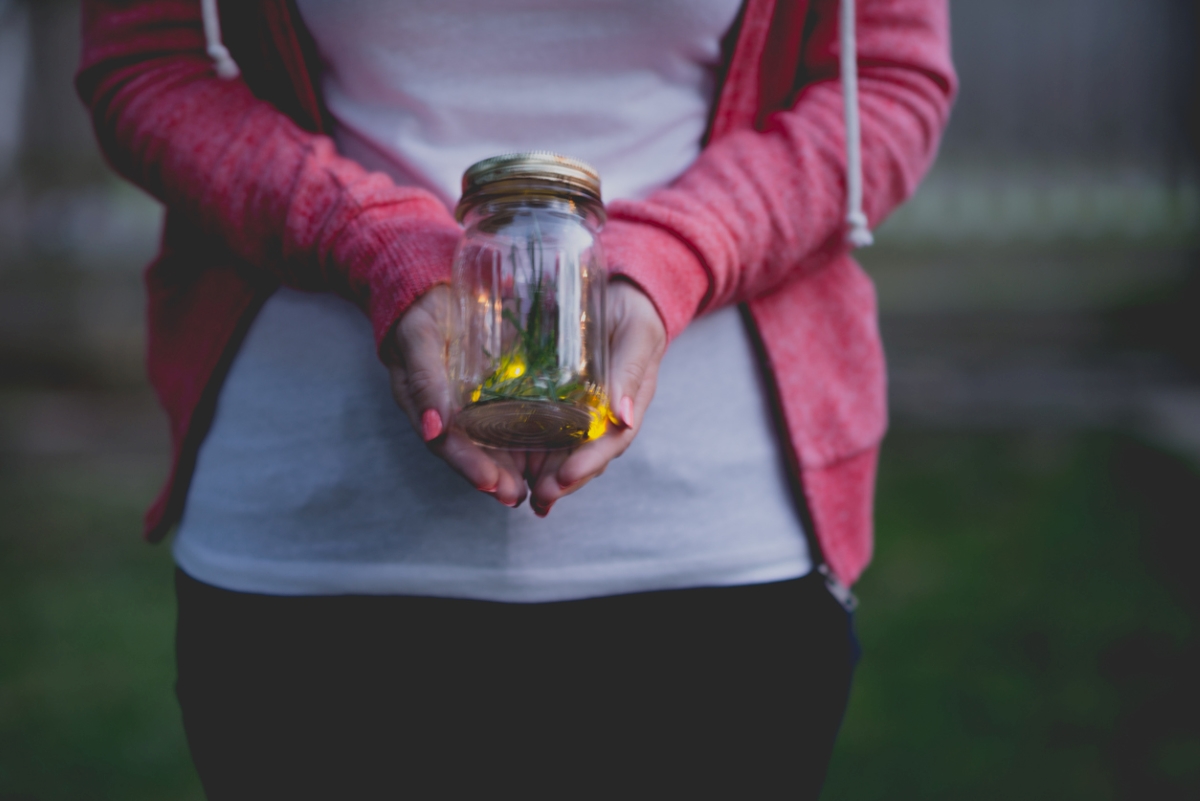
<point>431,425</point>
<point>493,492</point>
<point>627,411</point>
<point>539,510</point>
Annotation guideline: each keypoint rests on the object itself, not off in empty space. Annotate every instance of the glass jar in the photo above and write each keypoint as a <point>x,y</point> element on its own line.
<point>528,348</point>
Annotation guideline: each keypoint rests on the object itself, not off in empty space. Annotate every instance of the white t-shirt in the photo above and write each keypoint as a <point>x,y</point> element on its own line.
<point>311,481</point>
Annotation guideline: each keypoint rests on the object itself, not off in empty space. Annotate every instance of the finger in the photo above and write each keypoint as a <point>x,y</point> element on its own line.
<point>534,461</point>
<point>637,346</point>
<point>567,472</point>
<point>420,381</point>
<point>425,382</point>
<point>543,486</point>
<point>515,461</point>
<point>492,472</point>
<point>429,422</point>
<point>513,489</point>
<point>635,374</point>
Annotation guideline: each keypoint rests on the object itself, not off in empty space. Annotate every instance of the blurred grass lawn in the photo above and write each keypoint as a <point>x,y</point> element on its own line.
<point>1029,624</point>
<point>1026,630</point>
<point>87,709</point>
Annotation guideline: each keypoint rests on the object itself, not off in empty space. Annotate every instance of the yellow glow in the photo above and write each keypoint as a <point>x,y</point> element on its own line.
<point>601,415</point>
<point>598,425</point>
<point>475,395</point>
<point>511,368</point>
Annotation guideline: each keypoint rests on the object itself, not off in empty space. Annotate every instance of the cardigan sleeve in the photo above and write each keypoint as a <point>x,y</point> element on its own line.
<point>277,196</point>
<point>760,208</point>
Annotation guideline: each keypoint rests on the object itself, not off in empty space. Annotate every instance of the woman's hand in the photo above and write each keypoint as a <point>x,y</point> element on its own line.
<point>416,358</point>
<point>638,340</point>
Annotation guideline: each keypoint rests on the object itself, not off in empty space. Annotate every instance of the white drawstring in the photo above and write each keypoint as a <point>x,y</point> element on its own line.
<point>859,234</point>
<point>226,67</point>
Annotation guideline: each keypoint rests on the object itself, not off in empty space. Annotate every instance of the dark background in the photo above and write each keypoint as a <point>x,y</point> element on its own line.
<point>1030,622</point>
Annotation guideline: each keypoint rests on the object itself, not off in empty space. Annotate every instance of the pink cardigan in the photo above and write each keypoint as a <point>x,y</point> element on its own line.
<point>257,196</point>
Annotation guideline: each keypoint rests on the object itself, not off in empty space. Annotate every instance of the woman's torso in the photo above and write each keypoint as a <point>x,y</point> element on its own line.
<point>312,481</point>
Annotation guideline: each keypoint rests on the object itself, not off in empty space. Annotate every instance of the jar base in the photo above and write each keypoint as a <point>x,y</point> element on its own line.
<point>525,425</point>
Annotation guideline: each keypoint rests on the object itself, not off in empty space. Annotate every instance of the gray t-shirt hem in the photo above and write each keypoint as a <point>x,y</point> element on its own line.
<point>517,585</point>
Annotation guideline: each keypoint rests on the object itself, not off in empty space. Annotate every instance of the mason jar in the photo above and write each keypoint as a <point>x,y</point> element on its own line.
<point>528,351</point>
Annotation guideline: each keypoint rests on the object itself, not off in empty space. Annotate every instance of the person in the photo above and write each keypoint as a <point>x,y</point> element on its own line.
<point>355,618</point>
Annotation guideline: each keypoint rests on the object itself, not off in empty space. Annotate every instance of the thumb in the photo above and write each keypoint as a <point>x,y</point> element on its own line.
<point>422,386</point>
<point>638,342</point>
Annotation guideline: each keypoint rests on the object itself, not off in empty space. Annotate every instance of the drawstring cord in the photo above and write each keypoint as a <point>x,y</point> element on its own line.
<point>224,63</point>
<point>859,233</point>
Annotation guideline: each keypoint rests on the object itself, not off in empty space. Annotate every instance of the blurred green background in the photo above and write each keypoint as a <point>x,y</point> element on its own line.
<point>1030,621</point>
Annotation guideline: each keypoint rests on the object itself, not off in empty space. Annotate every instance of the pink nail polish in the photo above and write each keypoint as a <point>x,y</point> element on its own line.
<point>431,424</point>
<point>627,411</point>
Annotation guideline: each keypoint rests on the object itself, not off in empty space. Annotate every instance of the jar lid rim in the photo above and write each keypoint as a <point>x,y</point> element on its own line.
<point>571,175</point>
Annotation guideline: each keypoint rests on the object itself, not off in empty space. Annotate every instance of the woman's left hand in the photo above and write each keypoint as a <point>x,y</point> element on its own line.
<point>638,341</point>
<point>416,359</point>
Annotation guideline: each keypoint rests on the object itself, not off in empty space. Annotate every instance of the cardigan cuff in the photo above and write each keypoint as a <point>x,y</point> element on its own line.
<point>662,265</point>
<point>401,265</point>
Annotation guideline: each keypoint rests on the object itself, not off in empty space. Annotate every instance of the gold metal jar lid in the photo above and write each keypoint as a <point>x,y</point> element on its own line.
<point>524,172</point>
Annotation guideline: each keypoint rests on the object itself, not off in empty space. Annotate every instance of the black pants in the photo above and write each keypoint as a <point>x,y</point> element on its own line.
<point>731,692</point>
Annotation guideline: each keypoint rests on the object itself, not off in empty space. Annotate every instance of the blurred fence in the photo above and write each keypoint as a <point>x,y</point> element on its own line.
<point>1073,123</point>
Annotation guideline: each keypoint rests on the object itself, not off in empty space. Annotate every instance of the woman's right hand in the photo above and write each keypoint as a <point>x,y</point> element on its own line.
<point>638,340</point>
<point>416,359</point>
